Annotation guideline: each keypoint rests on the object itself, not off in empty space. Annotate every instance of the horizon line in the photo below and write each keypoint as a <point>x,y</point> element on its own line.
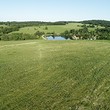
<point>53,21</point>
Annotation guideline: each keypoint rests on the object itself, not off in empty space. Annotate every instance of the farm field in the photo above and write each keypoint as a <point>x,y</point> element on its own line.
<point>54,75</point>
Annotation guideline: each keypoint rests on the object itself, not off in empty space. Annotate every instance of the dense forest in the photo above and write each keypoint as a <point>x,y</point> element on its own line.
<point>84,33</point>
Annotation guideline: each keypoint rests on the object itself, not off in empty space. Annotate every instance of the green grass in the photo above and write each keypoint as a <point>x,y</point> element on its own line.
<point>3,25</point>
<point>55,75</point>
<point>51,28</point>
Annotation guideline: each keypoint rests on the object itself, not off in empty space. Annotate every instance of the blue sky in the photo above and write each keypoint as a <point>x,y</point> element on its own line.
<point>54,10</point>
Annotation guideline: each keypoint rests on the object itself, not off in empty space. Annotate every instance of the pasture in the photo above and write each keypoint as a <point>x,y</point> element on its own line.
<point>50,28</point>
<point>54,75</point>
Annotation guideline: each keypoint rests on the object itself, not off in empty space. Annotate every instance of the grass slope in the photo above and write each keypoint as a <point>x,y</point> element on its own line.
<point>51,28</point>
<point>55,75</point>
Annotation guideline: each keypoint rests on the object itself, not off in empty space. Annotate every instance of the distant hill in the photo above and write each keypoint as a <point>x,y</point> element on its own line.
<point>34,23</point>
<point>97,22</point>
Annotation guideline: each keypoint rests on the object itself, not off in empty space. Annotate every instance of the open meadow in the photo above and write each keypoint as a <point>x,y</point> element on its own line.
<point>52,28</point>
<point>55,75</point>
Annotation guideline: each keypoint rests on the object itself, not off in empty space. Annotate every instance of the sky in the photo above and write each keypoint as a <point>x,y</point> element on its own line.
<point>54,10</point>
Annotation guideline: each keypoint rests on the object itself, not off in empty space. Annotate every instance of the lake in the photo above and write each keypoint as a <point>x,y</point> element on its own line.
<point>56,38</point>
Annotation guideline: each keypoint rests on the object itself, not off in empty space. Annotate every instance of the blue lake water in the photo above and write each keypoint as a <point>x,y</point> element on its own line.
<point>56,38</point>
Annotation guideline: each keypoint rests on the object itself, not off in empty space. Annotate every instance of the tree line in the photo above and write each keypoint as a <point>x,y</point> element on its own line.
<point>97,22</point>
<point>32,23</point>
<point>21,36</point>
<point>84,33</point>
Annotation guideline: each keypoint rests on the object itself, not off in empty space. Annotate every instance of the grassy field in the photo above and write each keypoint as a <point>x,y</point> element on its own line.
<point>3,26</point>
<point>55,75</point>
<point>51,28</point>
